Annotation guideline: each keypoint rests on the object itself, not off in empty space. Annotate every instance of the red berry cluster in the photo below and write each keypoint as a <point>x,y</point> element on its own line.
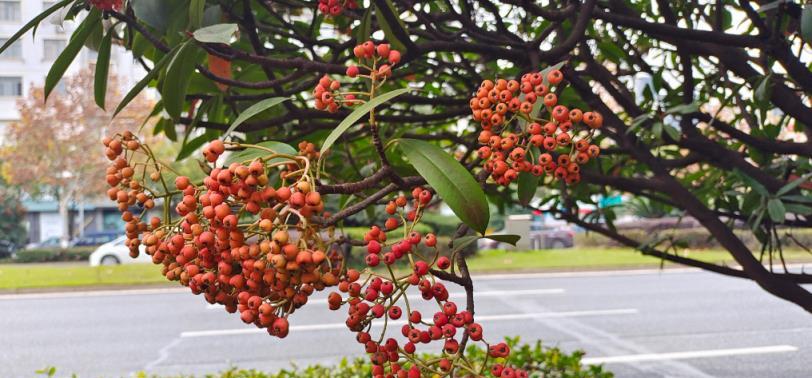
<point>265,266</point>
<point>505,147</point>
<point>107,5</point>
<point>379,298</point>
<point>370,58</point>
<point>336,7</point>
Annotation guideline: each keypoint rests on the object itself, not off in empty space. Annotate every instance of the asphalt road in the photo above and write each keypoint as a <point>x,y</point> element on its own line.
<point>639,324</point>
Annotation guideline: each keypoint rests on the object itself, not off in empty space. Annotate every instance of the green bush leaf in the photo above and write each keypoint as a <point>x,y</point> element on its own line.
<point>178,75</point>
<point>34,23</point>
<point>64,60</point>
<point>220,33</point>
<point>152,74</point>
<point>776,210</point>
<point>793,184</point>
<point>528,183</point>
<point>762,94</point>
<point>254,110</point>
<point>102,68</point>
<point>249,154</point>
<point>196,11</point>
<point>357,114</point>
<point>683,109</point>
<point>462,242</point>
<point>451,181</point>
<point>364,30</point>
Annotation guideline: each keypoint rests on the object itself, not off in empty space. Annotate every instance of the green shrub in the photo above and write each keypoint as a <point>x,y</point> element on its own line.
<point>54,255</point>
<point>538,360</point>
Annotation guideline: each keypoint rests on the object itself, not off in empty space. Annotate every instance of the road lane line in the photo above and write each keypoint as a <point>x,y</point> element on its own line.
<point>482,318</point>
<point>489,293</point>
<point>94,293</point>
<point>689,354</point>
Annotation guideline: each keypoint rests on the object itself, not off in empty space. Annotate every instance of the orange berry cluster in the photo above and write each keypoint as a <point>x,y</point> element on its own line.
<point>327,92</point>
<point>377,299</point>
<point>336,7</point>
<point>506,147</point>
<point>239,240</point>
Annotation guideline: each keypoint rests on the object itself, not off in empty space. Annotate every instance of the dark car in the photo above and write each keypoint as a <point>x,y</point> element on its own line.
<point>92,239</point>
<point>7,249</point>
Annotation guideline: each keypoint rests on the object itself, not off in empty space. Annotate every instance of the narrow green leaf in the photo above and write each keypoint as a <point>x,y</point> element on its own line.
<point>806,23</point>
<point>387,29</point>
<point>249,154</point>
<point>462,242</point>
<point>776,210</point>
<point>451,181</point>
<point>220,33</point>
<point>102,68</point>
<point>510,239</point>
<point>528,183</point>
<point>793,184</point>
<point>672,132</point>
<point>657,129</point>
<point>178,75</point>
<point>191,146</point>
<point>64,60</point>
<point>196,10</point>
<point>794,208</point>
<point>797,198</point>
<point>762,94</point>
<point>254,110</point>
<point>34,23</point>
<point>357,114</point>
<point>683,109</point>
<point>760,189</point>
<point>152,74</point>
<point>364,30</point>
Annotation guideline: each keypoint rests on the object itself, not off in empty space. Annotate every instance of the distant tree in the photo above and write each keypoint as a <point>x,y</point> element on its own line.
<point>12,215</point>
<point>54,149</point>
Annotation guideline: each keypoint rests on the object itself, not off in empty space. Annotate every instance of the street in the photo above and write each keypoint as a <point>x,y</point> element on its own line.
<point>675,323</point>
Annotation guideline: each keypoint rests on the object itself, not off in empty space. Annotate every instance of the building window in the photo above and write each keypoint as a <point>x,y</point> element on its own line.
<point>51,48</point>
<point>11,86</point>
<point>10,11</point>
<point>15,51</point>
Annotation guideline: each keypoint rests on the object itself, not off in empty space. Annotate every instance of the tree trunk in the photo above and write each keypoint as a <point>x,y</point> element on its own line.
<point>64,215</point>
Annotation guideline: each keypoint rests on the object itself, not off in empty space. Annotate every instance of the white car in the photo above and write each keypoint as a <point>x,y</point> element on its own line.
<point>116,252</point>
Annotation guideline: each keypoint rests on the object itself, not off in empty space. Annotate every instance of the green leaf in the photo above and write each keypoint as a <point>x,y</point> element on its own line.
<point>451,181</point>
<point>798,209</point>
<point>254,110</point>
<point>462,242</point>
<point>760,189</point>
<point>387,29</point>
<point>507,238</point>
<point>178,75</point>
<point>34,23</point>
<point>152,74</point>
<point>683,109</point>
<point>762,93</point>
<point>793,184</point>
<point>528,183</point>
<point>220,33</point>
<point>797,198</point>
<point>156,13</point>
<point>191,146</point>
<point>776,210</point>
<point>196,10</point>
<point>657,129</point>
<point>357,114</point>
<point>672,132</point>
<point>547,70</point>
<point>806,23</point>
<point>364,30</point>
<point>64,60</point>
<point>249,154</point>
<point>102,68</point>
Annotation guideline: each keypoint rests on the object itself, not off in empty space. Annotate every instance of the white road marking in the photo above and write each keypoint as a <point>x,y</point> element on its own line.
<point>689,354</point>
<point>95,293</point>
<point>482,318</point>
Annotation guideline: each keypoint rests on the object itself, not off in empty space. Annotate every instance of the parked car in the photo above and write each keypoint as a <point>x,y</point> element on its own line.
<point>52,242</point>
<point>116,252</point>
<point>92,239</point>
<point>534,234</point>
<point>7,249</point>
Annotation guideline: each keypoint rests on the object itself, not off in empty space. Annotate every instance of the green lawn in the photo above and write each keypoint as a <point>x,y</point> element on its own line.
<point>25,276</point>
<point>31,276</point>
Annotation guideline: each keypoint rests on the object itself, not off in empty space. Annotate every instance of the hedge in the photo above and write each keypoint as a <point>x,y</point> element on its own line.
<point>54,255</point>
<point>539,360</point>
<point>694,238</point>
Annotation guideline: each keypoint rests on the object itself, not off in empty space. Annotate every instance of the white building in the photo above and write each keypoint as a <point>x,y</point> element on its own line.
<point>27,62</point>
